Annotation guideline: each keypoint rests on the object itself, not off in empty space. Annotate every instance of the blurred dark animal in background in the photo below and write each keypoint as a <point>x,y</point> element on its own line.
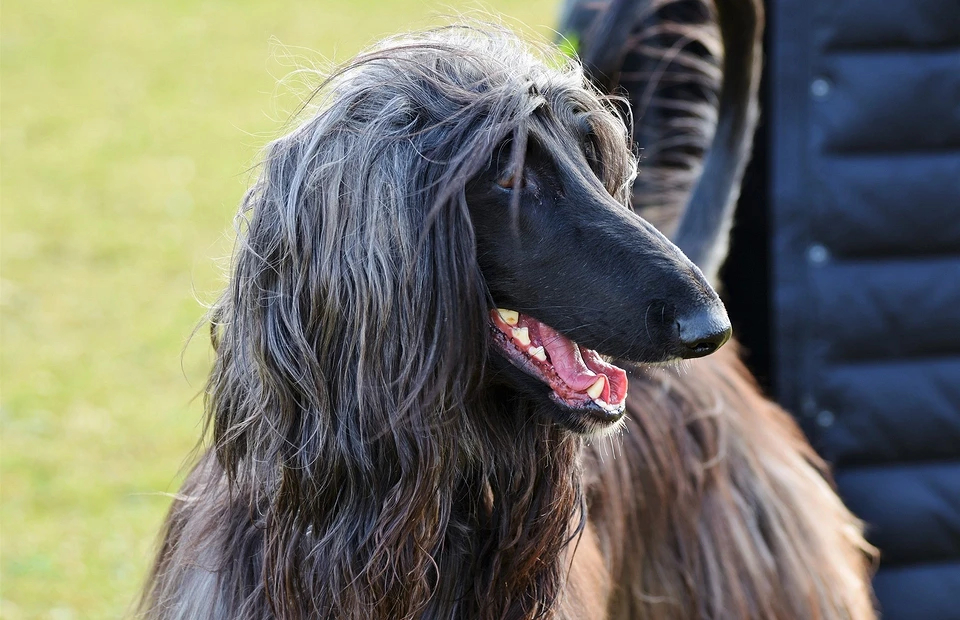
<point>436,391</point>
<point>679,62</point>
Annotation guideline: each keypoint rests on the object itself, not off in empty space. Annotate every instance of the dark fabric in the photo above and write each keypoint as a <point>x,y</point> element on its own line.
<point>921,592</point>
<point>864,127</point>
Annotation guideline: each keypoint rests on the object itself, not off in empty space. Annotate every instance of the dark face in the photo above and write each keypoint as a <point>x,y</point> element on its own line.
<point>576,276</point>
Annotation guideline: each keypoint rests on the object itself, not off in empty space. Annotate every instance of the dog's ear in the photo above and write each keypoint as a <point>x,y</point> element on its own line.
<point>349,337</point>
<point>352,293</point>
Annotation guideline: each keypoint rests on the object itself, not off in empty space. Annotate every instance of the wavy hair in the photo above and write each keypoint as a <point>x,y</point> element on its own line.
<point>344,402</point>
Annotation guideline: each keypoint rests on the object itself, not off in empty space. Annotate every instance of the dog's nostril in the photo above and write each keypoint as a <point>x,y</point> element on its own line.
<point>703,333</point>
<point>704,347</point>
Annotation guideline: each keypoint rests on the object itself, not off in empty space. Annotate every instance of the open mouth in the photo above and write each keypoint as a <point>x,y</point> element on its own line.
<point>577,376</point>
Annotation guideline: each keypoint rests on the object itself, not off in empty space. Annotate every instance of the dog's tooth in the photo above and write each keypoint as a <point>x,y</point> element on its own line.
<point>537,353</point>
<point>595,390</point>
<point>521,335</point>
<point>510,317</point>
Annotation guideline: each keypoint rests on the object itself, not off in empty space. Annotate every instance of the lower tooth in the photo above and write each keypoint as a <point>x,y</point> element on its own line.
<point>537,353</point>
<point>595,390</point>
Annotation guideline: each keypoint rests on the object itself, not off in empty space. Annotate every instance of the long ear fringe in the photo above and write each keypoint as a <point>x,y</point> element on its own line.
<point>332,383</point>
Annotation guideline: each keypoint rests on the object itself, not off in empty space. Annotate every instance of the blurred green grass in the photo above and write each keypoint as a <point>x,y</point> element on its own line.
<point>127,134</point>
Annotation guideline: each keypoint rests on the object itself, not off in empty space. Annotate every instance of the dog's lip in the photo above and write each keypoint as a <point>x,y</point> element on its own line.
<point>578,377</point>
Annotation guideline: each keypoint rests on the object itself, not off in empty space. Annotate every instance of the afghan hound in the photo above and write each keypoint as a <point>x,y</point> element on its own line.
<point>440,387</point>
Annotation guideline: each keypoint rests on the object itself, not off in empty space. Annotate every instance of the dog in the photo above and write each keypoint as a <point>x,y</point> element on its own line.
<point>447,384</point>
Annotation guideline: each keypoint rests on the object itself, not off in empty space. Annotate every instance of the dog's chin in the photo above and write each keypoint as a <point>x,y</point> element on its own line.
<point>587,420</point>
<point>584,393</point>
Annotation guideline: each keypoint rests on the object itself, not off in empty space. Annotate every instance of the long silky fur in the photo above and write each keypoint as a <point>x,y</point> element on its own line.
<point>362,463</point>
<point>712,504</point>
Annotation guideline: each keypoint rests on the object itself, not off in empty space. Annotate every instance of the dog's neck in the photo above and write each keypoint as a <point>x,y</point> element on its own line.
<point>515,512</point>
<point>479,531</point>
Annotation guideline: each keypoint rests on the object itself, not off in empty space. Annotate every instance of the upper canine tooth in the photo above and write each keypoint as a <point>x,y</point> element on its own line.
<point>595,390</point>
<point>510,317</point>
<point>522,335</point>
<point>537,353</point>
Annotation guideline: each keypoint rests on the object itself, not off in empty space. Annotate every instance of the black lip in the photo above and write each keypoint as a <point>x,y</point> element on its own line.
<point>588,420</point>
<point>593,410</point>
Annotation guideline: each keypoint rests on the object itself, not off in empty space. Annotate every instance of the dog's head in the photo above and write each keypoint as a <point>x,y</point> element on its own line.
<point>451,220</point>
<point>453,214</point>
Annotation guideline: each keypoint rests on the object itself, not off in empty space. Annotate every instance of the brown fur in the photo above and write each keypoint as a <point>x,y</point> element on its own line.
<point>713,505</point>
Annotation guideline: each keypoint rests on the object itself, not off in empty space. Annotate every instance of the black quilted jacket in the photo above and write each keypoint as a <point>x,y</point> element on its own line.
<point>864,186</point>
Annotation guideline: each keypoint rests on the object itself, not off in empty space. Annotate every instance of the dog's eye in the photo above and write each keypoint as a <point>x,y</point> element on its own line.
<point>510,181</point>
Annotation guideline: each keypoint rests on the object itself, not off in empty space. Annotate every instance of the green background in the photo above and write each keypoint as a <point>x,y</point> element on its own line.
<point>129,131</point>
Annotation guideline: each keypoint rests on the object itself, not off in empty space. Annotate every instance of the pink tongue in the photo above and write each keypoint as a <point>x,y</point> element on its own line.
<point>566,359</point>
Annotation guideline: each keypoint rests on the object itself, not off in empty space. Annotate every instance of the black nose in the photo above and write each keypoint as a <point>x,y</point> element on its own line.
<point>703,332</point>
